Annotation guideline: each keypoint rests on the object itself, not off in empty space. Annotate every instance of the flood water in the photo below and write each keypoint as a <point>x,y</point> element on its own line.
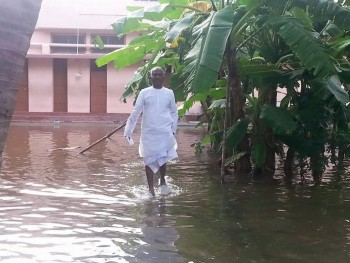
<point>61,206</point>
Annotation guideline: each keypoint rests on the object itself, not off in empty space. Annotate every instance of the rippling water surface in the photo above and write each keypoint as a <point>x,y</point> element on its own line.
<point>60,206</point>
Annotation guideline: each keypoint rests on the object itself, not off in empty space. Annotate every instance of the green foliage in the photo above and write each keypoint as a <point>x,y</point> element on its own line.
<point>330,87</point>
<point>127,25</point>
<point>304,45</point>
<point>131,54</point>
<point>278,119</point>
<point>177,29</point>
<point>218,104</point>
<point>98,41</point>
<point>158,12</point>
<point>303,16</point>
<point>327,10</point>
<point>331,30</point>
<point>259,154</point>
<point>340,46</point>
<point>234,158</point>
<point>213,46</point>
<point>253,70</point>
<point>137,77</point>
<point>236,133</point>
<point>215,94</point>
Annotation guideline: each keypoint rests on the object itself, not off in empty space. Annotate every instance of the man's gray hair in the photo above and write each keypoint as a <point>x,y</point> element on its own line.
<point>157,68</point>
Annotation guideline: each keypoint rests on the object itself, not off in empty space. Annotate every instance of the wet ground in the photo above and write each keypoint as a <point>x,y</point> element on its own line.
<point>60,206</point>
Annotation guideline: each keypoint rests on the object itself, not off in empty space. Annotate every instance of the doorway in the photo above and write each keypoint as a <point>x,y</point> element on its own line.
<point>60,85</point>
<point>98,88</point>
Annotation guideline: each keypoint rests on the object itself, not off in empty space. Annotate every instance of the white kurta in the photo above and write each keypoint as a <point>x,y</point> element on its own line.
<point>159,123</point>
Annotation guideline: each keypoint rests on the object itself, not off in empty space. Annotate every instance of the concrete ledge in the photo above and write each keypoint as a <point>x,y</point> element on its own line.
<point>68,117</point>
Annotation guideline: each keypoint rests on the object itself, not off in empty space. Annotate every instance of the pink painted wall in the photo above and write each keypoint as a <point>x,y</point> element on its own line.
<point>78,85</point>
<point>40,83</point>
<point>116,81</point>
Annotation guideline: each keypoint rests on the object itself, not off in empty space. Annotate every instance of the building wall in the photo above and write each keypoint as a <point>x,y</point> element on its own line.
<point>116,81</point>
<point>78,89</point>
<point>40,85</point>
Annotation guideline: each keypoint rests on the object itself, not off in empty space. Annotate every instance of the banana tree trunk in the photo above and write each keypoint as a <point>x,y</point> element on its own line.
<point>18,19</point>
<point>270,98</point>
<point>289,163</point>
<point>317,165</point>
<point>237,100</point>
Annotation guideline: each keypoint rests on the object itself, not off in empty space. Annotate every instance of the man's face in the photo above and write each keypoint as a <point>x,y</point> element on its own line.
<point>157,78</point>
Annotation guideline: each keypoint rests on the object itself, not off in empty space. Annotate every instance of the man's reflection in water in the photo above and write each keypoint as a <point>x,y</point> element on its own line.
<point>159,234</point>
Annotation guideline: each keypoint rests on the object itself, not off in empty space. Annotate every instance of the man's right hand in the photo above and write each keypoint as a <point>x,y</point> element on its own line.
<point>129,140</point>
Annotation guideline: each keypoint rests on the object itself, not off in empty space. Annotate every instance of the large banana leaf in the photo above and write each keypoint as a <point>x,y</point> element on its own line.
<point>153,12</point>
<point>304,45</point>
<point>216,94</point>
<point>303,16</point>
<point>328,87</point>
<point>278,119</point>
<point>331,30</point>
<point>260,70</point>
<point>199,32</point>
<point>345,75</point>
<point>298,142</point>
<point>137,19</point>
<point>126,25</point>
<point>131,54</point>
<point>129,86</point>
<point>237,132</point>
<point>328,10</point>
<point>221,103</point>
<point>145,38</point>
<point>259,153</point>
<point>340,46</point>
<point>165,9</point>
<point>143,19</point>
<point>212,50</point>
<point>176,30</point>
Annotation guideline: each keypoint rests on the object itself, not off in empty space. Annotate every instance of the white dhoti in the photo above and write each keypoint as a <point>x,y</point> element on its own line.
<point>157,149</point>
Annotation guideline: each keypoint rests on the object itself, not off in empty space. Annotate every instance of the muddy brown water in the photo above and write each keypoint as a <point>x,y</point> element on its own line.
<point>59,206</point>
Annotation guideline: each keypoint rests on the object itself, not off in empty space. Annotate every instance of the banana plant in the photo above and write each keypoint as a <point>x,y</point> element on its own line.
<point>251,46</point>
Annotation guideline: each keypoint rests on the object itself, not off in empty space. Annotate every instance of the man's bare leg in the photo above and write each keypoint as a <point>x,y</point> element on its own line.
<point>162,171</point>
<point>149,175</point>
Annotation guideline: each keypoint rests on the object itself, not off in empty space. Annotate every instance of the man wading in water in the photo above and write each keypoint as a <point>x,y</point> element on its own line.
<point>158,127</point>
